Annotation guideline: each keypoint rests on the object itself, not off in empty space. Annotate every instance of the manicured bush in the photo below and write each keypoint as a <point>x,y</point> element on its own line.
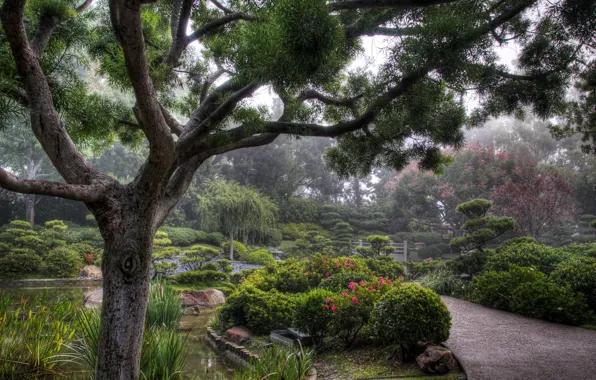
<point>422,268</point>
<point>517,241</point>
<point>240,250</point>
<point>214,238</point>
<point>239,277</point>
<point>90,235</point>
<point>541,257</point>
<point>588,249</point>
<point>258,310</point>
<point>292,278</point>
<point>84,250</point>
<point>224,265</point>
<point>579,272</point>
<point>196,276</point>
<point>312,314</point>
<point>470,263</point>
<point>260,257</point>
<point>386,266</point>
<point>197,256</point>
<point>63,262</point>
<point>181,237</point>
<point>339,282</point>
<point>518,290</point>
<point>14,266</point>
<point>409,314</point>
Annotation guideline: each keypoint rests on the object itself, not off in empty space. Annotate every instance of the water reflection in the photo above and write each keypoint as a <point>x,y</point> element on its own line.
<point>203,363</point>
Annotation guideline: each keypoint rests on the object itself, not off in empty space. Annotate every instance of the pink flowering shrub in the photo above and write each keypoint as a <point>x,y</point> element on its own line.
<point>313,312</point>
<point>354,307</point>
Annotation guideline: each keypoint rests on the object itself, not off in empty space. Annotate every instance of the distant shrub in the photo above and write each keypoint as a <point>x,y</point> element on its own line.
<point>214,238</point>
<point>444,282</point>
<point>541,257</point>
<point>224,265</point>
<point>198,256</point>
<point>517,241</point>
<point>197,276</point>
<point>181,237</point>
<point>396,318</point>
<point>86,235</point>
<point>428,238</point>
<point>240,250</point>
<point>238,277</point>
<point>312,314</point>
<point>258,310</point>
<point>422,268</point>
<point>15,266</point>
<point>260,257</point>
<point>84,250</point>
<point>588,249</point>
<point>431,251</point>
<point>470,263</point>
<point>386,266</point>
<point>63,262</point>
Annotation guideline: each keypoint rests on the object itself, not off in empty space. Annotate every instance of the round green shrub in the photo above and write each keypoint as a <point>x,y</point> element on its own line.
<point>16,266</point>
<point>311,316</point>
<point>63,262</point>
<point>214,238</point>
<point>240,250</point>
<point>429,252</point>
<point>409,314</point>
<point>339,282</point>
<point>84,250</point>
<point>258,310</point>
<point>579,272</point>
<point>541,257</point>
<point>260,257</point>
<point>517,241</point>
<point>386,267</point>
<point>239,277</point>
<point>181,237</point>
<point>470,263</point>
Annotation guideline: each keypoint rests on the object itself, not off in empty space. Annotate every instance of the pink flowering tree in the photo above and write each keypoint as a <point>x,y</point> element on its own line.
<point>539,205</point>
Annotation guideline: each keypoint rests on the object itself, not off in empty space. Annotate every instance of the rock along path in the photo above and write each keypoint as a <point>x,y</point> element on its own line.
<point>495,345</point>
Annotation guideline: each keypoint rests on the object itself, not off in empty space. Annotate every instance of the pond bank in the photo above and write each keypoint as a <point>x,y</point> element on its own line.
<point>51,283</point>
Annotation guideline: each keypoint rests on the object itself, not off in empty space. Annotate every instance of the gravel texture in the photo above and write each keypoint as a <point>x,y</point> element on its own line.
<point>495,345</point>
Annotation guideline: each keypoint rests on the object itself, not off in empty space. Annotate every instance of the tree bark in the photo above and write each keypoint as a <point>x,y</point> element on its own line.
<point>30,209</point>
<point>231,246</point>
<point>126,271</point>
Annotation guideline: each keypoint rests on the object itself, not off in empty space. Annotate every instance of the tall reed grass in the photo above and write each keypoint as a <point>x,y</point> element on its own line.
<point>444,282</point>
<point>279,363</point>
<point>32,334</point>
<point>164,308</point>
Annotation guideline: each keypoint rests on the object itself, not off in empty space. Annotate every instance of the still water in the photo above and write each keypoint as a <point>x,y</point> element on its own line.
<point>202,363</point>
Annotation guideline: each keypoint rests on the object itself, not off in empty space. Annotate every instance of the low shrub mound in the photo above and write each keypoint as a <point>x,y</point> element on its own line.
<point>541,257</point>
<point>409,314</point>
<point>63,262</point>
<point>385,266</point>
<point>15,266</point>
<point>312,314</point>
<point>240,250</point>
<point>260,257</point>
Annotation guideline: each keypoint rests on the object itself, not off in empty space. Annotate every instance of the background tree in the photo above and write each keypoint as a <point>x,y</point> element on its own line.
<point>379,246</point>
<point>479,229</point>
<point>300,49</point>
<point>539,205</point>
<point>237,210</point>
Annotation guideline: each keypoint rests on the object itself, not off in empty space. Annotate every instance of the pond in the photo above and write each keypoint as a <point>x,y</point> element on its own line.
<point>202,363</point>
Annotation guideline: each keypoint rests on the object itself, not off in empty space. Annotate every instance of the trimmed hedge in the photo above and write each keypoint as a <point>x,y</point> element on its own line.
<point>64,262</point>
<point>17,266</point>
<point>196,276</point>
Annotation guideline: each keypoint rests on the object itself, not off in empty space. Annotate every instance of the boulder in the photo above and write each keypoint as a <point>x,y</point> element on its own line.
<point>238,335</point>
<point>93,299</point>
<point>193,310</point>
<point>436,360</point>
<point>91,271</point>
<point>202,298</point>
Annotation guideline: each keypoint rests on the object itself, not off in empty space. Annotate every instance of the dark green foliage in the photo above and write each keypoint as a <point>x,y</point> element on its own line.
<point>428,238</point>
<point>470,263</point>
<point>431,251</point>
<point>516,241</point>
<point>85,235</point>
<point>479,229</point>
<point>579,272</point>
<point>422,268</point>
<point>386,267</point>
<point>444,282</point>
<point>409,314</point>
<point>378,247</point>
<point>295,363</point>
<point>260,311</point>
<point>541,257</point>
<point>310,315</point>
<point>238,277</point>
<point>224,265</point>
<point>164,308</point>
<point>194,277</point>
<point>240,250</point>
<point>260,257</point>
<point>339,282</point>
<point>298,210</point>
<point>63,262</point>
<point>529,292</point>
<point>198,256</point>
<point>14,266</point>
<point>84,250</point>
<point>183,237</point>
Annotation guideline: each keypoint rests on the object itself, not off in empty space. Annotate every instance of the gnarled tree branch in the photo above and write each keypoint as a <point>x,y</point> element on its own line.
<point>85,193</point>
<point>212,25</point>
<point>367,4</point>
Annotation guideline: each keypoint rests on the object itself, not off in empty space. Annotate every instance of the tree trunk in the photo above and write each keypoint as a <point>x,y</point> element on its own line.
<point>126,270</point>
<point>231,246</point>
<point>30,209</point>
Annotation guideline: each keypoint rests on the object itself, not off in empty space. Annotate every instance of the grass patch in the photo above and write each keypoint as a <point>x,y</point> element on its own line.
<point>369,361</point>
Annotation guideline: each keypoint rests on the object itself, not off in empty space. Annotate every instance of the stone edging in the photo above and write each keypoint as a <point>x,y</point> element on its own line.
<point>50,283</point>
<point>238,354</point>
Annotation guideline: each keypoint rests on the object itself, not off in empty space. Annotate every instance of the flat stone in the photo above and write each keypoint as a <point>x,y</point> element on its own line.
<point>93,299</point>
<point>202,298</point>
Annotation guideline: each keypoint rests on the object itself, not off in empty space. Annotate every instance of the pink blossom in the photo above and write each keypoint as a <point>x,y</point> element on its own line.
<point>334,308</point>
<point>362,283</point>
<point>354,300</point>
<point>371,289</point>
<point>327,274</point>
<point>327,300</point>
<point>390,281</point>
<point>382,281</point>
<point>326,307</point>
<point>352,285</point>
<point>345,294</point>
<point>401,278</point>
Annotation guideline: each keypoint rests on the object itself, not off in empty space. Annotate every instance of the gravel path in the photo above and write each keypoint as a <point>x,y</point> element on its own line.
<point>495,345</point>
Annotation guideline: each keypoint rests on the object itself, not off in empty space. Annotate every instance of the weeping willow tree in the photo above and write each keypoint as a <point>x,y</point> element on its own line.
<point>236,210</point>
